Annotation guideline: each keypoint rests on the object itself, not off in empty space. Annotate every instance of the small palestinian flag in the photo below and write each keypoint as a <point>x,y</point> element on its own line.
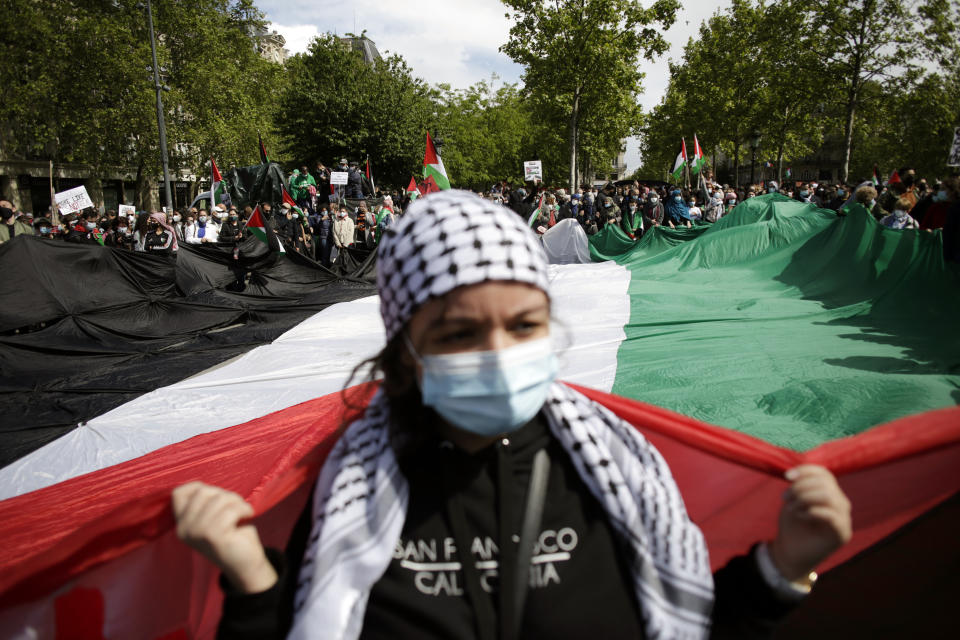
<point>429,186</point>
<point>373,187</point>
<point>698,159</point>
<point>875,178</point>
<point>259,228</point>
<point>218,190</point>
<point>894,178</point>
<point>412,191</point>
<point>264,159</point>
<point>433,166</point>
<point>536,212</point>
<point>681,161</point>
<point>290,201</point>
<point>789,173</point>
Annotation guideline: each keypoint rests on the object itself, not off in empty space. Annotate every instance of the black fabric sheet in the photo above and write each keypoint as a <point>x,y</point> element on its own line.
<point>85,328</point>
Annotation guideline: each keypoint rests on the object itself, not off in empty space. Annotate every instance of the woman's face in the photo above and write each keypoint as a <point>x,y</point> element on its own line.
<point>489,316</point>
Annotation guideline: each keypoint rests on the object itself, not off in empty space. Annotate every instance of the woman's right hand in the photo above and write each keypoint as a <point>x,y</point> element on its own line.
<point>208,520</point>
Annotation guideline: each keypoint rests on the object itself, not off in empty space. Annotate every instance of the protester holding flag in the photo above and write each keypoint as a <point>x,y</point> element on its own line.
<point>486,446</point>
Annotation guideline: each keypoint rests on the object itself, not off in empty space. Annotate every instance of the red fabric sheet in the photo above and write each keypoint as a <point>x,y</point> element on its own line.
<point>731,483</point>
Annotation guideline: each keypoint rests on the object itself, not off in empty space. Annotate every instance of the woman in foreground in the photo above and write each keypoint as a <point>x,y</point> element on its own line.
<point>479,498</point>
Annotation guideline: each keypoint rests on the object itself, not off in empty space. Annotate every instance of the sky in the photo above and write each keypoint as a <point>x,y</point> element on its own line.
<point>455,41</point>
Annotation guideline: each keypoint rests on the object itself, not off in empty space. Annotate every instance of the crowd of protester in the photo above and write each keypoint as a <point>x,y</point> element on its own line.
<point>327,220</point>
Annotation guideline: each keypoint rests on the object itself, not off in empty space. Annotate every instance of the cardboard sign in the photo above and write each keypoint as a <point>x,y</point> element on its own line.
<point>533,169</point>
<point>73,200</point>
<point>126,210</point>
<point>953,160</point>
<point>338,177</point>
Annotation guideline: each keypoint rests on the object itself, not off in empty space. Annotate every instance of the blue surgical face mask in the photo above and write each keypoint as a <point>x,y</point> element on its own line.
<point>488,393</point>
<point>804,194</point>
<point>841,193</point>
<point>941,196</point>
<point>677,199</point>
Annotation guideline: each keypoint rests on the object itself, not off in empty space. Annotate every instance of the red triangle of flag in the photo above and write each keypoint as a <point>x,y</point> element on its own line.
<point>256,220</point>
<point>413,184</point>
<point>894,178</point>
<point>215,172</point>
<point>430,156</point>
<point>288,200</point>
<point>430,185</point>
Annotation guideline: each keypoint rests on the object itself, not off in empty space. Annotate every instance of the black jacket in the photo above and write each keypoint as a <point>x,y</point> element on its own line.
<point>580,585</point>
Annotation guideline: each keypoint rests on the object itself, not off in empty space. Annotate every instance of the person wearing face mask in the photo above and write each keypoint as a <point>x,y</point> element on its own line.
<point>177,225</point>
<point>866,195</point>
<point>323,231</point>
<point>10,227</point>
<point>632,220</point>
<point>773,187</point>
<point>43,228</point>
<point>122,236</point>
<point>730,202</point>
<point>159,240</point>
<point>472,451</point>
<point>84,229</point>
<point>204,232</point>
<point>652,211</point>
<point>343,228</point>
<point>695,212</point>
<point>713,210</point>
<point>932,212</point>
<point>677,214</point>
<point>900,218</point>
<point>230,231</point>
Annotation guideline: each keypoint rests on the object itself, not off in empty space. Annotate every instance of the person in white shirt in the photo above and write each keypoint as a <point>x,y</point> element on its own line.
<point>205,231</point>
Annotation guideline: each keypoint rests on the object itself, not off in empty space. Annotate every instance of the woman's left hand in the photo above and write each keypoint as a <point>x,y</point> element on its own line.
<point>814,521</point>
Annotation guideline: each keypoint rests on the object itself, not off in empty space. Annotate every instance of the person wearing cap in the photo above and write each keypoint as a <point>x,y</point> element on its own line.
<point>477,497</point>
<point>10,227</point>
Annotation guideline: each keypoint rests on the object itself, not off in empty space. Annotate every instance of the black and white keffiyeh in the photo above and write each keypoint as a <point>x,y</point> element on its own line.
<point>447,240</point>
<point>361,501</point>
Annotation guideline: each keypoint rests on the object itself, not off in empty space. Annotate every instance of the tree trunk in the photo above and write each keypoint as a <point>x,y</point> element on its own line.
<point>574,123</point>
<point>736,163</point>
<point>848,137</point>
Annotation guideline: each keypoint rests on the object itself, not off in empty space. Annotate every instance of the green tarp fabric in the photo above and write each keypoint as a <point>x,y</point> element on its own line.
<point>789,323</point>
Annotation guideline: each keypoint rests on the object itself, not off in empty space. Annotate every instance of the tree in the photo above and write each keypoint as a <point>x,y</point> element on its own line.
<point>585,53</point>
<point>79,87</point>
<point>335,105</point>
<point>859,41</point>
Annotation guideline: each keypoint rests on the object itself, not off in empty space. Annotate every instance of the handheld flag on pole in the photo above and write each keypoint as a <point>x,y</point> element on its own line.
<point>373,187</point>
<point>894,178</point>
<point>536,212</point>
<point>875,178</point>
<point>259,228</point>
<point>290,201</point>
<point>429,186</point>
<point>433,166</point>
<point>264,159</point>
<point>789,173</point>
<point>698,160</point>
<point>412,191</point>
<point>218,190</point>
<point>681,161</point>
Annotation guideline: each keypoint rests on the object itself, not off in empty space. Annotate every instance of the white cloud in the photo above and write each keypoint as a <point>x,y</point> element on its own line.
<point>298,36</point>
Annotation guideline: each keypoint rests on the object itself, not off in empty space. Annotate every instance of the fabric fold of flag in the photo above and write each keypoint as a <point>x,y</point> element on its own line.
<point>433,166</point>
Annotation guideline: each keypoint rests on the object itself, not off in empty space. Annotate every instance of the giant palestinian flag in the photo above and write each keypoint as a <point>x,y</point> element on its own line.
<point>781,334</point>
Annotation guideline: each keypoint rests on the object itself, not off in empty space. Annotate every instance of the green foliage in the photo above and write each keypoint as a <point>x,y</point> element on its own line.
<point>79,86</point>
<point>334,105</point>
<point>581,67</point>
<point>809,75</point>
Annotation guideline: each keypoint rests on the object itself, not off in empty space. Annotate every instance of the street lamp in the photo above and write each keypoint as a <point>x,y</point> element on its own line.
<point>754,143</point>
<point>160,88</point>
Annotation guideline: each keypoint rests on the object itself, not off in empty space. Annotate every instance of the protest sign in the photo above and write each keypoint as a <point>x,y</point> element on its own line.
<point>338,177</point>
<point>125,210</point>
<point>533,169</point>
<point>953,160</point>
<point>73,200</point>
